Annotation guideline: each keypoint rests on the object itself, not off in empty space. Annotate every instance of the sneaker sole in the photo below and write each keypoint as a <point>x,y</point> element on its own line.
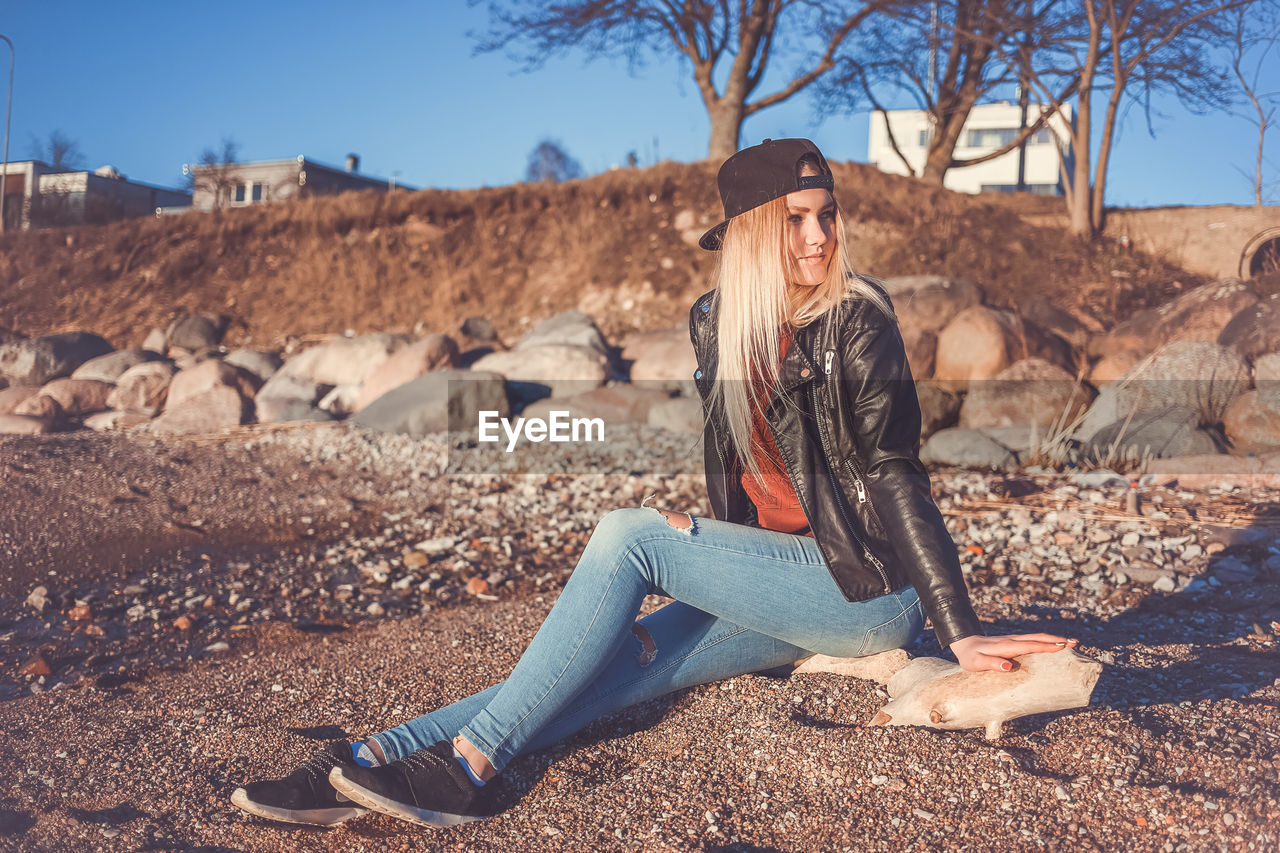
<point>312,817</point>
<point>422,817</point>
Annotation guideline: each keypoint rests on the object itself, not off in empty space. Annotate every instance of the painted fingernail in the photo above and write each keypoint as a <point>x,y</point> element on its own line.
<point>1006,666</point>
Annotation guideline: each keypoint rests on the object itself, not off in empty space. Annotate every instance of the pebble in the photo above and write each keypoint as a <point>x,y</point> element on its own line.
<point>38,598</point>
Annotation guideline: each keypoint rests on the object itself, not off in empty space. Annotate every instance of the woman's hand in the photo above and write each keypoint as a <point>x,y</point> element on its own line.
<point>977,653</point>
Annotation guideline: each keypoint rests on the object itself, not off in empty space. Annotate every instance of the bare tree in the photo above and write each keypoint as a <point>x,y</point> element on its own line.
<point>550,162</point>
<point>1124,51</point>
<point>60,151</point>
<point>945,57</point>
<point>215,173</point>
<point>1252,38</point>
<point>746,35</point>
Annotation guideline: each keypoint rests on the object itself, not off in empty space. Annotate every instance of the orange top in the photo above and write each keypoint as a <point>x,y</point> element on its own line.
<point>777,506</point>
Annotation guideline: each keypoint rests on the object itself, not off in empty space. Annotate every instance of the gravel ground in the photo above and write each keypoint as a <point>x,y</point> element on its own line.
<point>137,691</point>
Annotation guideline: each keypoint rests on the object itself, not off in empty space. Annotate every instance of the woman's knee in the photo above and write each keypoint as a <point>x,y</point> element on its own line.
<point>622,528</point>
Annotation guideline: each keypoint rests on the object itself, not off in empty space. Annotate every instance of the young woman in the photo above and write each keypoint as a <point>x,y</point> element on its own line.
<point>825,537</point>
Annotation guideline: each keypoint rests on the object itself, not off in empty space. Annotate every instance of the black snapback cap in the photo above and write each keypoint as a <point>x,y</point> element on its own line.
<point>761,173</point>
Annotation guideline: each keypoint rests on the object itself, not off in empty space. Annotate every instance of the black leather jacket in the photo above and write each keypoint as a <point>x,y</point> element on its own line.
<point>850,443</point>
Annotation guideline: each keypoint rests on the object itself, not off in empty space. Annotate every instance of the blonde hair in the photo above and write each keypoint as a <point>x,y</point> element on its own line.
<point>753,299</point>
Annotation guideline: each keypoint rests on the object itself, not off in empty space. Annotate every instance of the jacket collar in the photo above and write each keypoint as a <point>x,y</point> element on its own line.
<point>797,367</point>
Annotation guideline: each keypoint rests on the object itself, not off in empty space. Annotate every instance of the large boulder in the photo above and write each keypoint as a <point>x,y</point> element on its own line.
<point>617,404</point>
<point>677,414</point>
<point>197,331</point>
<point>978,343</point>
<point>568,328</point>
<point>1115,365</point>
<point>285,397</point>
<point>1198,315</point>
<point>969,448</point>
<point>79,397</point>
<point>927,303</point>
<point>345,361</point>
<point>43,407</point>
<point>24,425</point>
<point>210,374</point>
<point>1252,421</point>
<point>35,361</point>
<point>662,359</point>
<point>142,388</point>
<point>1255,330</point>
<point>1199,375</point>
<point>11,398</point>
<point>434,352</point>
<point>563,370</point>
<point>261,364</point>
<point>439,401</point>
<point>1074,328</point>
<point>215,408</point>
<point>921,346</point>
<point>115,420</point>
<point>1031,391</point>
<point>110,367</point>
<point>1154,434</point>
<point>939,407</point>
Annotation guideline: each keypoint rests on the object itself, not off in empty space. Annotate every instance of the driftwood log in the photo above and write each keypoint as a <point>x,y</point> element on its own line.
<point>939,694</point>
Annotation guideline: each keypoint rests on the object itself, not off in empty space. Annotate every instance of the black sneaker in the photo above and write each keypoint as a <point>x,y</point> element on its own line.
<point>427,787</point>
<point>305,795</point>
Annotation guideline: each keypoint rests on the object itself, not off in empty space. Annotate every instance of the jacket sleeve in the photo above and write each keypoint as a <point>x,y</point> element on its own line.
<point>886,428</point>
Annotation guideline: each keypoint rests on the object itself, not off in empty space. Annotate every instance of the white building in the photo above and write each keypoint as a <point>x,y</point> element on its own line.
<point>37,195</point>
<point>240,184</point>
<point>988,128</point>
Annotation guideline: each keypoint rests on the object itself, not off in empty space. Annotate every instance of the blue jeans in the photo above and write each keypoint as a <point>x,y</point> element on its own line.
<point>747,599</point>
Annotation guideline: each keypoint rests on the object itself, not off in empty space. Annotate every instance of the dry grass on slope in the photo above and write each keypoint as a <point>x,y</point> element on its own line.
<point>608,244</point>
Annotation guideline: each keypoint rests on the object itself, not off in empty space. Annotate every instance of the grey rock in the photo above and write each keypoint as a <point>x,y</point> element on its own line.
<point>196,331</point>
<point>261,364</point>
<point>34,361</point>
<point>568,328</point>
<point>967,447</point>
<point>435,402</point>
<point>939,407</point>
<point>110,367</point>
<point>563,370</point>
<point>1147,574</point>
<point>1254,330</point>
<point>1161,433</point>
<point>1197,375</point>
<point>479,328</point>
<point>156,341</point>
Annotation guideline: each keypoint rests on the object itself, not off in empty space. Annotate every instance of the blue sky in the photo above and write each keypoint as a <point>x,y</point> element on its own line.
<point>146,85</point>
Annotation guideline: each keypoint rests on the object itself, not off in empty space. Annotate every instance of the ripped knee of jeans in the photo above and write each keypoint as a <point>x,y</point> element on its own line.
<point>648,649</point>
<point>682,521</point>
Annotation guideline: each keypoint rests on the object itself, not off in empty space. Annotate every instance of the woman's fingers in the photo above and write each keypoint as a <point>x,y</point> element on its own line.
<point>1011,647</point>
<point>1040,638</point>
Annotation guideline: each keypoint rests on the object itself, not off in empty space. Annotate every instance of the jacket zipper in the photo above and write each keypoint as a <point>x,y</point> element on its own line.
<point>862,492</point>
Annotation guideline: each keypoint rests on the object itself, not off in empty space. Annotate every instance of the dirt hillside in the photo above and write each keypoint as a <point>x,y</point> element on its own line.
<point>618,245</point>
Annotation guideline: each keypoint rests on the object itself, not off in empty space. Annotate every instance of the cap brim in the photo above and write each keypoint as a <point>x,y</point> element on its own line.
<point>714,237</point>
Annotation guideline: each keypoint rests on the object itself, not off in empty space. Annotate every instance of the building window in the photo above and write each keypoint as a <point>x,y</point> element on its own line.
<point>924,138</point>
<point>1038,189</point>
<point>239,193</point>
<point>257,192</point>
<point>990,137</point>
<point>1041,137</point>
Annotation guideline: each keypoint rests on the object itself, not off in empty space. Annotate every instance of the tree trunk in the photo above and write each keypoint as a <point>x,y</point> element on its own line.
<point>1099,191</point>
<point>942,144</point>
<point>726,128</point>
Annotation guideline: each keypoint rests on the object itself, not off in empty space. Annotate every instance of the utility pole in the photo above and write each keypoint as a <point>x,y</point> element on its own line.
<point>1022,95</point>
<point>8,110</point>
